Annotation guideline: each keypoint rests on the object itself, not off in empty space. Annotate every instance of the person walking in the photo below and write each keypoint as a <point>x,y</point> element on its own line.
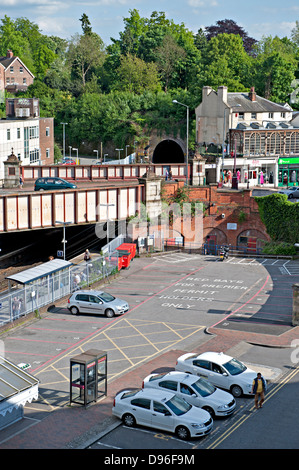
<point>21,182</point>
<point>258,389</point>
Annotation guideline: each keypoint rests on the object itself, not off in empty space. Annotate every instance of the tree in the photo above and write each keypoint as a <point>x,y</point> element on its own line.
<point>230,27</point>
<point>85,53</point>
<point>168,55</point>
<point>85,24</point>
<point>274,68</point>
<point>136,76</point>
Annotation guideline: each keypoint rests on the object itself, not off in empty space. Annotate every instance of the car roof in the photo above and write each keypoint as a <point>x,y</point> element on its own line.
<point>91,292</point>
<point>217,357</point>
<point>162,395</point>
<point>177,375</point>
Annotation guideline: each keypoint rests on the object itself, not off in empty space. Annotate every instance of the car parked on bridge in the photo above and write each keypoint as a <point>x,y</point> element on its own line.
<point>219,369</point>
<point>46,184</point>
<point>292,192</point>
<point>97,302</point>
<point>68,161</point>
<point>161,409</point>
<point>195,390</point>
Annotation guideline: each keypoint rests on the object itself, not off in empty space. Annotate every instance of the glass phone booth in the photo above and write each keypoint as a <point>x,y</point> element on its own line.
<point>88,377</point>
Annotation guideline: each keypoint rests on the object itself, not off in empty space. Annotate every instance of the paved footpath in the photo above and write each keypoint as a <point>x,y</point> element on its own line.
<point>75,427</point>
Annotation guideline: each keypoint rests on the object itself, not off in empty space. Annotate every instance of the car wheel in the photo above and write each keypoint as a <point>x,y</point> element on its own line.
<point>182,432</point>
<point>236,391</point>
<point>109,313</point>
<point>209,410</point>
<point>74,310</point>
<point>129,420</point>
<point>41,189</point>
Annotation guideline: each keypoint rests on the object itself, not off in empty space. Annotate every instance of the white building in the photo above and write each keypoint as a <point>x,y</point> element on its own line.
<point>30,137</point>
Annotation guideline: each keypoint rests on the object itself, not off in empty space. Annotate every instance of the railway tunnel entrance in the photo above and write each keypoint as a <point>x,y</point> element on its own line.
<point>168,151</point>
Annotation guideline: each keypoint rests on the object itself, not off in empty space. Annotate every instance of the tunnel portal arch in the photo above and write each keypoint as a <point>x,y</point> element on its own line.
<point>168,151</point>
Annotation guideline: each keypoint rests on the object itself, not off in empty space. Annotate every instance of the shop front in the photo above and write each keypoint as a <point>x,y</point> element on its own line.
<point>257,171</point>
<point>288,171</point>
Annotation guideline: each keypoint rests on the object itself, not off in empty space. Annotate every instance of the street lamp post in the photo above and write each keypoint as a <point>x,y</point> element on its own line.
<point>64,241</point>
<point>77,160</point>
<point>107,205</point>
<point>187,138</point>
<point>97,153</point>
<point>119,150</point>
<point>64,124</point>
<point>223,139</point>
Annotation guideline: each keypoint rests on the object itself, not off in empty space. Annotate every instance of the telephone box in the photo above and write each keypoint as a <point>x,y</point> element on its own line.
<point>88,377</point>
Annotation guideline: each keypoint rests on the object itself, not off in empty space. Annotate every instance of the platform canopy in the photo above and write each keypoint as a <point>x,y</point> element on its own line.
<point>32,274</point>
<point>17,387</point>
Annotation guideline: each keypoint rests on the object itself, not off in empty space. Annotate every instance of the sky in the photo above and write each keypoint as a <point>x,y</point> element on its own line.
<point>61,17</point>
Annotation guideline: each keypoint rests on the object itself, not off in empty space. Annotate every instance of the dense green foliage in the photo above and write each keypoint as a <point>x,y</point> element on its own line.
<point>281,218</point>
<point>119,93</point>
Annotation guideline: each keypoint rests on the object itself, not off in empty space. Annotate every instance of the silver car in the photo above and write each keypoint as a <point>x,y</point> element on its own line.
<point>96,302</point>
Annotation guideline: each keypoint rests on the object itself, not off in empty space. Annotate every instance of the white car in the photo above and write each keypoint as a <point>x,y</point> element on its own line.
<point>221,370</point>
<point>163,410</point>
<point>196,391</point>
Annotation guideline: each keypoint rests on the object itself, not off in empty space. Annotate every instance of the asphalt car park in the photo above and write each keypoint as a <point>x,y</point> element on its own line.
<point>173,299</point>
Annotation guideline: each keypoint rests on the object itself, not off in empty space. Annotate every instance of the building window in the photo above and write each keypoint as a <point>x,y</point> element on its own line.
<point>11,69</point>
<point>47,153</point>
<point>241,116</point>
<point>271,115</point>
<point>34,155</point>
<point>21,69</point>
<point>34,132</point>
<point>18,133</point>
<point>253,115</point>
<point>7,81</point>
<point>283,115</point>
<point>24,81</point>
<point>8,134</point>
<point>47,131</point>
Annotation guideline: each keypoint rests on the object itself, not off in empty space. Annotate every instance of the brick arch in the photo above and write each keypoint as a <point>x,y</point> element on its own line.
<point>251,233</point>
<point>220,236</point>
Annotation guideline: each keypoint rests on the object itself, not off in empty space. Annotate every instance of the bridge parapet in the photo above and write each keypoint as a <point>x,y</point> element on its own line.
<point>27,211</point>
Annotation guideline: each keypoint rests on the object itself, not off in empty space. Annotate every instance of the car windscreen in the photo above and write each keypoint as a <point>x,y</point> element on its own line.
<point>234,367</point>
<point>106,297</point>
<point>203,388</point>
<point>178,406</point>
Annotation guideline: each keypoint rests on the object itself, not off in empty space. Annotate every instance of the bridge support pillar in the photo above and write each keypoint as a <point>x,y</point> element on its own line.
<point>152,197</point>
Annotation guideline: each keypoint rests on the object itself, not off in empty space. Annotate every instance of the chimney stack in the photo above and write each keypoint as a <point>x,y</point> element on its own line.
<point>252,94</point>
<point>9,53</point>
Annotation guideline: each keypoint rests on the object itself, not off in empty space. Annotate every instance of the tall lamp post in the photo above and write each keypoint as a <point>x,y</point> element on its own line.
<point>64,241</point>
<point>77,160</point>
<point>64,124</point>
<point>107,205</point>
<point>223,139</point>
<point>187,138</point>
<point>119,150</point>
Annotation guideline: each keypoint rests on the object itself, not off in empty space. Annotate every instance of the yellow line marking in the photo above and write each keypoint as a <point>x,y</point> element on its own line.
<point>242,419</point>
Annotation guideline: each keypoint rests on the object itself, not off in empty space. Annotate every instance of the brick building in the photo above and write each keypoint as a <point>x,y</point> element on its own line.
<point>14,75</point>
